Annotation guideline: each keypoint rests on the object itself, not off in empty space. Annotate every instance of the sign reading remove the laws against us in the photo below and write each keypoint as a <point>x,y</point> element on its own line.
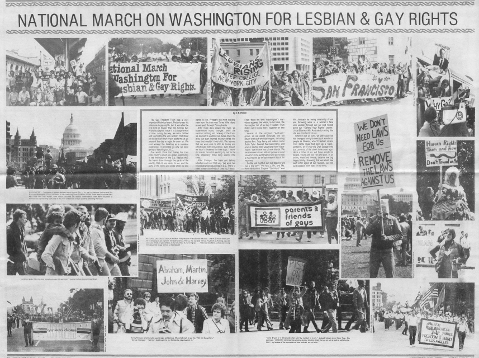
<point>70,331</point>
<point>231,73</point>
<point>285,216</point>
<point>437,333</point>
<point>373,145</point>
<point>295,271</point>
<point>342,87</point>
<point>441,152</point>
<point>140,78</point>
<point>182,276</point>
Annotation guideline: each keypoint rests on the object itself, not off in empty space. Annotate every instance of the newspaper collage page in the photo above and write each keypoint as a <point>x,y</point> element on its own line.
<point>152,166</point>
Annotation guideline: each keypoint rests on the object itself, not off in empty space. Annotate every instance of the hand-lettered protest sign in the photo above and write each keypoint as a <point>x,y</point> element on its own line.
<point>373,146</point>
<point>437,333</point>
<point>137,78</point>
<point>231,73</point>
<point>439,103</point>
<point>342,87</point>
<point>182,275</point>
<point>285,216</point>
<point>295,271</point>
<point>441,152</point>
<point>182,200</point>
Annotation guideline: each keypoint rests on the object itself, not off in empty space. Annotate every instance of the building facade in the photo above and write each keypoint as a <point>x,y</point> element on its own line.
<point>384,49</point>
<point>378,297</point>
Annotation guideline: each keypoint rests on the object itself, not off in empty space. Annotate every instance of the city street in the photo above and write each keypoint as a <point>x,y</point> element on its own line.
<point>391,342</point>
<point>168,100</point>
<point>271,237</point>
<point>16,343</point>
<point>355,260</point>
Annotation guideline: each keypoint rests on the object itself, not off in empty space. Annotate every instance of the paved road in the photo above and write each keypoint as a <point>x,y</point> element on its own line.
<point>182,100</point>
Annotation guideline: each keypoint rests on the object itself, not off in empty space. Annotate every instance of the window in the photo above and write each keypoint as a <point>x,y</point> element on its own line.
<point>227,52</point>
<point>238,52</point>
<point>283,179</point>
<point>300,179</point>
<point>213,177</point>
<point>168,188</point>
<point>391,59</point>
<point>251,52</point>
<point>317,179</point>
<point>362,40</point>
<point>213,189</point>
<point>257,51</point>
<point>391,41</point>
<point>333,179</point>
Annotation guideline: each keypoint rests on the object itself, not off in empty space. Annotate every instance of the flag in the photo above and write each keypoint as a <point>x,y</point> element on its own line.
<point>440,299</point>
<point>428,296</point>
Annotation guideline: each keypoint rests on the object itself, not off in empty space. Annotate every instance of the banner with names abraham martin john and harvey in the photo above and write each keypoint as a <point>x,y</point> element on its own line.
<point>175,276</point>
<point>143,78</point>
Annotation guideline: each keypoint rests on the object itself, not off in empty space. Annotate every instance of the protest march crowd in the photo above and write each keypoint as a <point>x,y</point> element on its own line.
<point>67,240</point>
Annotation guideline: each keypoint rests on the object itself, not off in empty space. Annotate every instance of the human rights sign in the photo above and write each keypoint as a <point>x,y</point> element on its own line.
<point>182,275</point>
<point>295,271</point>
<point>285,216</point>
<point>140,78</point>
<point>231,73</point>
<point>373,145</point>
<point>71,331</point>
<point>437,333</point>
<point>342,87</point>
<point>441,152</point>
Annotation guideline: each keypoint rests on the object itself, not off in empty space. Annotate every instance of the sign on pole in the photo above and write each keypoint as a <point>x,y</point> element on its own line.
<point>295,271</point>
<point>437,333</point>
<point>373,145</point>
<point>182,275</point>
<point>441,152</point>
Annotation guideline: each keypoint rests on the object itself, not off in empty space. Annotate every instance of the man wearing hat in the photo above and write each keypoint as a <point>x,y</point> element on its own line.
<point>111,245</point>
<point>124,254</point>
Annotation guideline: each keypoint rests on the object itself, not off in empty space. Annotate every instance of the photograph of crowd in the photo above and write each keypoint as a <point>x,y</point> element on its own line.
<point>431,315</point>
<point>71,240</point>
<point>445,106</point>
<point>317,190</point>
<point>445,250</point>
<point>357,70</point>
<point>445,180</point>
<point>290,290</point>
<point>72,151</point>
<point>187,205</point>
<point>166,71</point>
<point>178,294</point>
<point>269,71</point>
<point>55,72</point>
<point>63,319</point>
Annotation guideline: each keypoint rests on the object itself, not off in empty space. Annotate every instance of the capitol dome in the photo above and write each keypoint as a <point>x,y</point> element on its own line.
<point>71,136</point>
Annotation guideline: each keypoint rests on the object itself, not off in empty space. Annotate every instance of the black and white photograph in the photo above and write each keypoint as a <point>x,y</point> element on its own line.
<point>187,205</point>
<point>279,208</point>
<point>424,316</point>
<point>72,150</point>
<point>445,250</point>
<point>157,71</point>
<point>445,180</point>
<point>265,71</point>
<point>72,240</point>
<point>175,294</point>
<point>376,70</point>
<point>54,316</point>
<point>55,72</point>
<point>299,291</point>
<point>445,88</point>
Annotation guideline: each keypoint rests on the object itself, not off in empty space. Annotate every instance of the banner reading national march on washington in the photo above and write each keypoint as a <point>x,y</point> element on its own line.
<point>231,73</point>
<point>342,86</point>
<point>140,78</point>
<point>285,216</point>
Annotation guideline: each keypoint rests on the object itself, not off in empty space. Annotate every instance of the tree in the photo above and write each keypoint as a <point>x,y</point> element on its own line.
<point>84,300</point>
<point>222,273</point>
<point>196,44</point>
<point>226,192</point>
<point>262,185</point>
<point>322,46</point>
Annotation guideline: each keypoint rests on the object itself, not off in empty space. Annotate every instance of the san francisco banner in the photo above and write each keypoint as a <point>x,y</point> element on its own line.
<point>140,78</point>
<point>285,216</point>
<point>231,73</point>
<point>71,331</point>
<point>342,87</point>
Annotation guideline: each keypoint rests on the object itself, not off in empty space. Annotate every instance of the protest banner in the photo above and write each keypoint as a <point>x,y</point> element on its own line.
<point>182,275</point>
<point>438,103</point>
<point>285,216</point>
<point>373,145</point>
<point>441,152</point>
<point>231,73</point>
<point>342,87</point>
<point>191,200</point>
<point>437,333</point>
<point>71,331</point>
<point>295,271</point>
<point>142,78</point>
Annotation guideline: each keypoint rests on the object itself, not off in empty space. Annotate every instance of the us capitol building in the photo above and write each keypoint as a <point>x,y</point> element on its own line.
<point>71,150</point>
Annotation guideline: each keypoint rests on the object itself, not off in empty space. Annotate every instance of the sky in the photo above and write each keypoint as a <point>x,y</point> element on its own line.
<point>51,297</point>
<point>402,289</point>
<point>94,125</point>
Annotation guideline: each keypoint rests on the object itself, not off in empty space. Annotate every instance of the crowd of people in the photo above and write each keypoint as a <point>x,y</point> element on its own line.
<point>408,320</point>
<point>295,308</point>
<point>57,87</point>
<point>180,314</point>
<point>329,214</point>
<point>290,89</point>
<point>201,219</point>
<point>72,243</point>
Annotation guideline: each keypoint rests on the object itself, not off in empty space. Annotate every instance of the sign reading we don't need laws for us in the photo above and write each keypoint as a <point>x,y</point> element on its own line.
<point>175,276</point>
<point>373,145</point>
